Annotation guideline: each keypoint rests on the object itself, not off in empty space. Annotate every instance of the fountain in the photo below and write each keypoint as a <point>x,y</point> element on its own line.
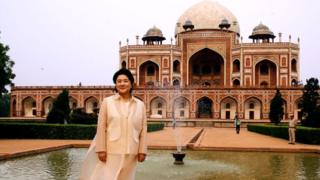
<point>177,155</point>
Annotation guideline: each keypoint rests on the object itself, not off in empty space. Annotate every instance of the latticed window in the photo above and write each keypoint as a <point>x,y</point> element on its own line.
<point>294,65</point>
<point>264,69</point>
<point>150,71</point>
<point>228,106</point>
<point>206,69</point>
<point>251,105</point>
<point>181,113</point>
<point>176,66</point>
<point>182,105</point>
<point>195,69</point>
<point>176,82</point>
<point>124,64</point>
<point>264,84</point>
<point>236,66</point>
<point>236,82</point>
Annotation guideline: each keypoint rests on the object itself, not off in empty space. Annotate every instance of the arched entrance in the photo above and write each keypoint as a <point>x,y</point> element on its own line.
<point>29,107</point>
<point>181,108</point>
<point>14,107</point>
<point>158,108</point>
<point>206,67</point>
<point>252,109</point>
<point>149,74</point>
<point>47,105</point>
<point>236,66</point>
<point>73,103</point>
<point>124,64</point>
<point>236,83</point>
<point>266,74</point>
<point>297,109</point>
<point>228,108</point>
<point>91,105</point>
<point>204,110</point>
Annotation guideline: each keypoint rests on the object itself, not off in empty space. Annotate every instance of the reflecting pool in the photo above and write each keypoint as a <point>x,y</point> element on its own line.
<point>202,165</point>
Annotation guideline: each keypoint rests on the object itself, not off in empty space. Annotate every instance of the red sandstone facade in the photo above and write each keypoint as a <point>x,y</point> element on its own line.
<point>207,73</point>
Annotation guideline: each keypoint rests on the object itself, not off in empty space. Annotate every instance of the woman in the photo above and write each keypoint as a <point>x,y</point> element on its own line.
<point>120,140</point>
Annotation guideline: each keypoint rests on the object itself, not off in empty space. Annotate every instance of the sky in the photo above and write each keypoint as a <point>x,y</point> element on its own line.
<point>64,42</point>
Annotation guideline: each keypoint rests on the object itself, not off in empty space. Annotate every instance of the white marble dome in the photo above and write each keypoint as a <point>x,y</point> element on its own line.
<point>207,15</point>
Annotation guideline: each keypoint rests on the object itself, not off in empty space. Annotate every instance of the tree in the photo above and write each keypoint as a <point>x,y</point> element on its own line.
<point>6,74</point>
<point>310,103</point>
<point>276,108</point>
<point>5,105</point>
<point>60,110</point>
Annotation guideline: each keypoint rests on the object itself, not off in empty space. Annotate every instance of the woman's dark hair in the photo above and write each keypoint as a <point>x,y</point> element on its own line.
<point>125,72</point>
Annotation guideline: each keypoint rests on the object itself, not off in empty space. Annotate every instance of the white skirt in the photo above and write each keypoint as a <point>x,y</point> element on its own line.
<point>117,166</point>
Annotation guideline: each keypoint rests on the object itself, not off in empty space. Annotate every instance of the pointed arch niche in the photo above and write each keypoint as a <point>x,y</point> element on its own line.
<point>206,67</point>
<point>158,108</point>
<point>204,108</point>
<point>148,74</point>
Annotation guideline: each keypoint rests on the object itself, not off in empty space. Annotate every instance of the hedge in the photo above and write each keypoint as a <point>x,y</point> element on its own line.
<point>153,126</point>
<point>304,135</point>
<point>46,131</point>
<point>18,130</point>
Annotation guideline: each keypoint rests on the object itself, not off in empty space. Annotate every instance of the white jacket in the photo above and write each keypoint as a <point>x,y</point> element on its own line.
<point>118,135</point>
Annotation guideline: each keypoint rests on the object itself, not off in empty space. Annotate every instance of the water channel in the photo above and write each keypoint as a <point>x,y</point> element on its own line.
<point>202,165</point>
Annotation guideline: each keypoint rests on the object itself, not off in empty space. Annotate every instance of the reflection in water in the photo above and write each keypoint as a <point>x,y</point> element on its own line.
<point>55,165</point>
<point>310,167</point>
<point>59,164</point>
<point>232,165</point>
<point>199,165</point>
<point>277,164</point>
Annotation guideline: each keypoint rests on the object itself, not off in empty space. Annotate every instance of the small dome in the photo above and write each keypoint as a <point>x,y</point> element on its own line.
<point>207,15</point>
<point>188,25</point>
<point>188,22</point>
<point>224,23</point>
<point>262,30</point>
<point>153,36</point>
<point>154,33</point>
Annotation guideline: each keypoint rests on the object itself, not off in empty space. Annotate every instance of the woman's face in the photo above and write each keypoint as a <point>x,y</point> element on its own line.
<point>123,84</point>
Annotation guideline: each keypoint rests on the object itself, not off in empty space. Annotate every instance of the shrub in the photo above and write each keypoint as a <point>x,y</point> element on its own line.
<point>55,116</point>
<point>276,108</point>
<point>60,110</point>
<point>5,105</point>
<point>18,130</point>
<point>155,126</point>
<point>310,103</point>
<point>305,135</point>
<point>46,131</point>
<point>78,116</point>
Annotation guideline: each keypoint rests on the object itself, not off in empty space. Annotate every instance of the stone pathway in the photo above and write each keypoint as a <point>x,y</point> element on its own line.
<point>228,139</point>
<point>10,148</point>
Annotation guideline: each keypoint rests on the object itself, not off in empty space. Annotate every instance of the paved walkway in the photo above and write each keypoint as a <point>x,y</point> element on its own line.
<point>10,148</point>
<point>227,139</point>
<point>194,138</point>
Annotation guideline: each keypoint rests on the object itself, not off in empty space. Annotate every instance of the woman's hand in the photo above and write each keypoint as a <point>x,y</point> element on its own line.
<point>141,157</point>
<point>102,156</point>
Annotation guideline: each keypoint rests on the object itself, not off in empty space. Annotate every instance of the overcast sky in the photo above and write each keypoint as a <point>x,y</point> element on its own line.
<point>64,42</point>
